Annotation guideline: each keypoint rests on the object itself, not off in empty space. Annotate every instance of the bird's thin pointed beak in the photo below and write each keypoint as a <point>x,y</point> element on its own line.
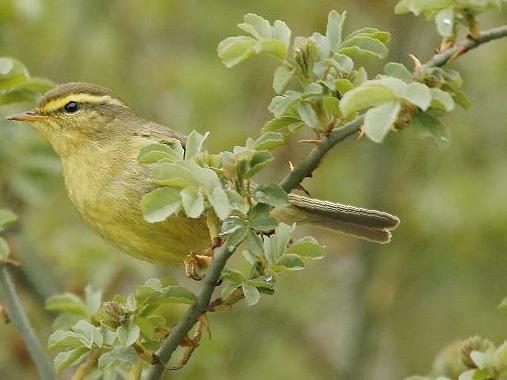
<point>29,116</point>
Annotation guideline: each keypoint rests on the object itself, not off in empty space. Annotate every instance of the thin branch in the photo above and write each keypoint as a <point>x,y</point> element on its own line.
<point>312,161</point>
<point>303,170</point>
<point>189,319</point>
<point>465,46</point>
<point>20,321</point>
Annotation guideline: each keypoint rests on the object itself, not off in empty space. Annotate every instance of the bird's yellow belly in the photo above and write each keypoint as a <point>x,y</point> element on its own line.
<point>111,208</point>
<point>166,242</point>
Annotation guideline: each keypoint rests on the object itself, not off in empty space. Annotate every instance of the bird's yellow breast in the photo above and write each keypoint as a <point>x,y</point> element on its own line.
<point>106,184</point>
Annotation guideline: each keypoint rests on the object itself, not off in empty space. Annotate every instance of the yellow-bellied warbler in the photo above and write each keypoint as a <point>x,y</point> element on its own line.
<point>98,138</point>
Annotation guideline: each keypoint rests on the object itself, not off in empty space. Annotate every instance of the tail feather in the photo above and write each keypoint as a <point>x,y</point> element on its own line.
<point>363,223</point>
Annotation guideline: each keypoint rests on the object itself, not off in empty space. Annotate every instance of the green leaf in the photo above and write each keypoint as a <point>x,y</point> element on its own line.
<point>307,247</point>
<point>220,202</point>
<point>343,86</point>
<point>69,358</point>
<point>176,294</point>
<point>484,360</point>
<point>282,78</point>
<point>380,120</point>
<point>281,104</point>
<point>89,333</point>
<point>128,334</point>
<point>258,162</point>
<point>64,340</point>
<point>10,67</point>
<point>269,141</point>
<point>441,100</point>
<point>281,32</point>
<point>275,246</point>
<point>147,328</point>
<point>260,219</point>
<point>334,29</point>
<point>4,250</point>
<point>6,217</point>
<point>228,288</point>
<point>445,22</point>
<point>161,153</point>
<point>252,295</point>
<point>272,194</point>
<point>160,204</point>
<point>193,202</point>
<point>234,50</point>
<point>235,229</point>
<point>344,62</point>
<point>364,46</point>
<point>426,125</point>
<point>289,123</point>
<point>233,275</point>
<point>359,76</point>
<point>418,94</point>
<point>121,354</point>
<point>66,302</point>
<point>273,48</point>
<point>194,145</point>
<point>372,33</point>
<point>308,115</point>
<point>365,96</point>
<point>396,85</point>
<point>460,98</point>
<point>291,262</point>
<point>398,70</point>
<point>332,106</point>
<point>181,174</point>
<point>257,26</point>
<point>312,89</point>
<point>254,245</point>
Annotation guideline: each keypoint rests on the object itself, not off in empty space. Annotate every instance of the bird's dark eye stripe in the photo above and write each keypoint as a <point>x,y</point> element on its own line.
<point>71,107</point>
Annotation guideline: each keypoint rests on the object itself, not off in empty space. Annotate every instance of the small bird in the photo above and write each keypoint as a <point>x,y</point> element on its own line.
<point>98,138</point>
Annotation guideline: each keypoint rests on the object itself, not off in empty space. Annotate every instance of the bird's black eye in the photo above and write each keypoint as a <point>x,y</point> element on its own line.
<point>71,107</point>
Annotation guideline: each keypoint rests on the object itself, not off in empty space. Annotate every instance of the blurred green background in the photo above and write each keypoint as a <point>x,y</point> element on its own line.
<point>365,311</point>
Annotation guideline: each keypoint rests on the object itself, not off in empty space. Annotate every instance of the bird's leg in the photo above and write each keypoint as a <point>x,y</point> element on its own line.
<point>197,263</point>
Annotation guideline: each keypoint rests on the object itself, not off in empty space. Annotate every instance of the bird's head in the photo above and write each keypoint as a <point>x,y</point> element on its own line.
<point>75,114</point>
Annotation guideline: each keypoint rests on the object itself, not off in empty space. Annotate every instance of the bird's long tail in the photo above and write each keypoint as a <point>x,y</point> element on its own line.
<point>363,223</point>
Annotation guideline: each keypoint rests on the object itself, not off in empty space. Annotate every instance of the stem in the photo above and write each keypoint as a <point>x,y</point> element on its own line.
<point>189,319</point>
<point>312,161</point>
<point>20,321</point>
<point>464,46</point>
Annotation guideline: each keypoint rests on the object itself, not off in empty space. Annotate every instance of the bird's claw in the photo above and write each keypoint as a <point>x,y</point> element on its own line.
<point>196,265</point>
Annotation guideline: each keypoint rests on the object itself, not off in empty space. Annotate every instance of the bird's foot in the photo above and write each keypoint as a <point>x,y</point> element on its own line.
<point>196,265</point>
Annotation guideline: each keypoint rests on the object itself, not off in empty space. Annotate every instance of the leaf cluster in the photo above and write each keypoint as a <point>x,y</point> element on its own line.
<point>16,83</point>
<point>448,15</point>
<point>119,333</point>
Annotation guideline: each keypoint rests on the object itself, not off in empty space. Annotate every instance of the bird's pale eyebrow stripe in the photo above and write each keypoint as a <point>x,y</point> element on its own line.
<point>58,103</point>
